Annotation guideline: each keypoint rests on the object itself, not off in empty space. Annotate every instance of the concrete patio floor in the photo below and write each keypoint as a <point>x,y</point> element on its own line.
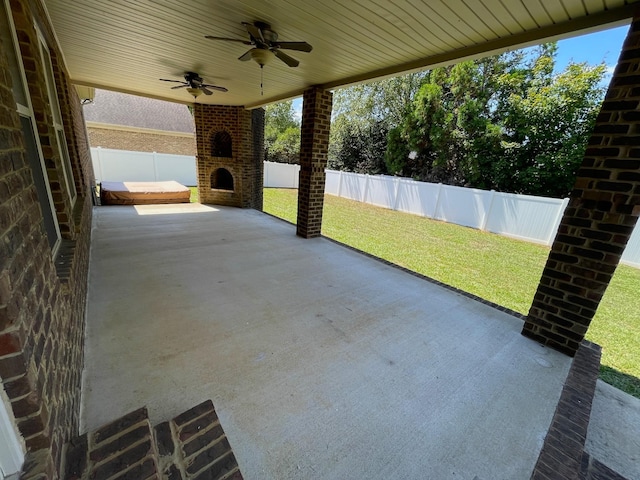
<point>322,363</point>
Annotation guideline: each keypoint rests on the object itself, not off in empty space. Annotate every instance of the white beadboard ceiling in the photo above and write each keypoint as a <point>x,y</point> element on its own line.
<point>127,46</point>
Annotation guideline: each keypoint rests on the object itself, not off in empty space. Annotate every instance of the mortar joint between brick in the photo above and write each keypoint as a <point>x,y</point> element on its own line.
<point>232,472</point>
<point>206,446</point>
<point>93,444</point>
<point>118,453</point>
<point>176,458</point>
<point>209,465</point>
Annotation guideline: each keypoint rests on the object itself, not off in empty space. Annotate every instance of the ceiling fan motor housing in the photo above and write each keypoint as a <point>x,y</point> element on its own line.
<point>192,78</point>
<point>268,35</point>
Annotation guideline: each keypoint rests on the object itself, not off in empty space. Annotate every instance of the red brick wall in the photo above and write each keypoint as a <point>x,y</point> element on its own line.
<point>42,299</point>
<point>23,19</point>
<point>316,122</point>
<point>141,141</point>
<point>246,128</point>
<point>600,217</point>
<point>74,130</point>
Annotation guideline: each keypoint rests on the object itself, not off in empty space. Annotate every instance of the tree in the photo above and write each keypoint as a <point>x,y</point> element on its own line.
<point>547,124</point>
<point>446,127</point>
<point>504,122</point>
<point>385,101</point>
<point>368,110</point>
<point>286,147</point>
<point>281,133</point>
<point>361,149</point>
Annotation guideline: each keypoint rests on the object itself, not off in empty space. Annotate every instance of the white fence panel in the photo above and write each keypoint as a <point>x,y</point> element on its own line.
<point>332,182</point>
<point>112,165</point>
<point>381,191</point>
<point>525,217</point>
<point>419,198</point>
<point>180,168</point>
<point>463,206</point>
<point>353,186</point>
<point>631,254</point>
<point>119,165</point>
<point>281,175</point>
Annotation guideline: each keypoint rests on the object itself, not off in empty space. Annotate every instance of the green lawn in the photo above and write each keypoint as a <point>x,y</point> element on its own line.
<point>194,195</point>
<point>499,269</point>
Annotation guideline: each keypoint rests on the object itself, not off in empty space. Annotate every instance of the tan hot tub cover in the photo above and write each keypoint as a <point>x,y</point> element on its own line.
<point>143,193</point>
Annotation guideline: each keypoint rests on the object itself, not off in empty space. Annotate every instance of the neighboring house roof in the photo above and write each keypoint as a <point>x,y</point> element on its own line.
<point>138,112</point>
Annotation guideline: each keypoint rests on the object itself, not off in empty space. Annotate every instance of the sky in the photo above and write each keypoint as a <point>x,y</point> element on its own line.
<point>593,49</point>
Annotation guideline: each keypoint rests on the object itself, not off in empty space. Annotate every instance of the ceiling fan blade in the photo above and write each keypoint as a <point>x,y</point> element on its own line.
<point>179,86</point>
<point>205,90</point>
<point>214,87</point>
<point>292,62</point>
<point>211,37</point>
<point>299,46</point>
<point>167,80</point>
<point>246,56</point>
<point>254,31</point>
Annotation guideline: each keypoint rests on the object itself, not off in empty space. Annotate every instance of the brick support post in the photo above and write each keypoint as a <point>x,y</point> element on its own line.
<point>314,143</point>
<point>600,217</point>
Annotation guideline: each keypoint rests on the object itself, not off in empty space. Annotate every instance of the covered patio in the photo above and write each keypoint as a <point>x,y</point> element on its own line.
<point>321,361</point>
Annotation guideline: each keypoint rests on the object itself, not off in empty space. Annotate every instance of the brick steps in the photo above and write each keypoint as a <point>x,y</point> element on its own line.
<point>192,446</point>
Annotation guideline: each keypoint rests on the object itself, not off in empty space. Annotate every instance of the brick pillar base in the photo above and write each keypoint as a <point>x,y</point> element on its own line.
<point>601,215</point>
<point>316,121</point>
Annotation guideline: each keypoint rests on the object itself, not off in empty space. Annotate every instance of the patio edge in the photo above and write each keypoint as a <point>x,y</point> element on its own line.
<point>562,455</point>
<point>464,293</point>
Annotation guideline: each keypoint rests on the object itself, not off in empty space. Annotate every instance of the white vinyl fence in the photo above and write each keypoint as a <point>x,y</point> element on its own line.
<point>534,219</point>
<point>111,165</point>
<point>281,175</point>
<point>529,218</point>
<point>119,165</point>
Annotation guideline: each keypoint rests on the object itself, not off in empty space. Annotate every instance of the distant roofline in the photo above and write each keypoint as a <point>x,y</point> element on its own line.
<point>138,113</point>
<point>127,128</point>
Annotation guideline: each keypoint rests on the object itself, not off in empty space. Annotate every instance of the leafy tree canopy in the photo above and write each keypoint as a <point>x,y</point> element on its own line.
<point>281,133</point>
<point>505,122</point>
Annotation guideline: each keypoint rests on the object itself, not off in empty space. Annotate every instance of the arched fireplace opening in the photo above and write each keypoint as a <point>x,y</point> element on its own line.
<point>221,179</point>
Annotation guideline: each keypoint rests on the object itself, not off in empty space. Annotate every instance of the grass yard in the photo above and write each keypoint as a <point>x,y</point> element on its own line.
<point>194,195</point>
<point>499,269</point>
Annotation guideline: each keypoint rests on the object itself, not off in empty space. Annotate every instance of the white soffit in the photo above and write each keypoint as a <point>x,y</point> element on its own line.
<point>129,46</point>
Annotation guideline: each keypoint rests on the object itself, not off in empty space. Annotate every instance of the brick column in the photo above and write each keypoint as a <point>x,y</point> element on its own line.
<point>314,143</point>
<point>600,217</point>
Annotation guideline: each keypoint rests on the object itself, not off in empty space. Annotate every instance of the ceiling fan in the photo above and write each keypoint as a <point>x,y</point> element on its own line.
<point>194,85</point>
<point>266,45</point>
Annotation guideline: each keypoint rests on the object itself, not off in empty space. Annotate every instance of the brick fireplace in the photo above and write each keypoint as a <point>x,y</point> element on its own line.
<point>230,152</point>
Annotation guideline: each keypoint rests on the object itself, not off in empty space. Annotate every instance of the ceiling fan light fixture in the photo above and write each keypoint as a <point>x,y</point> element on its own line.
<point>261,56</point>
<point>196,92</point>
